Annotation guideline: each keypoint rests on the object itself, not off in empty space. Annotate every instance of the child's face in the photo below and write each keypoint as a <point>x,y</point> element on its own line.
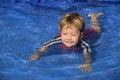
<point>70,35</point>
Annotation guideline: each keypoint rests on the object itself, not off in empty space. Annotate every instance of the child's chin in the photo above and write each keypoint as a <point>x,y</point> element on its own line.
<point>69,45</point>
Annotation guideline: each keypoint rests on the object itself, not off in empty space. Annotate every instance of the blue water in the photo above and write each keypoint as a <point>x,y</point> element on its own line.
<point>24,28</point>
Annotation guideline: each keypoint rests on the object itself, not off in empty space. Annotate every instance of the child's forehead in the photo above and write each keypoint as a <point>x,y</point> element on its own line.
<point>70,29</point>
<point>73,27</point>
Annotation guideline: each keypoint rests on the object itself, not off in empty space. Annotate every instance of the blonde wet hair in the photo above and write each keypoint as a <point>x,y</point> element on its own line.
<point>72,19</point>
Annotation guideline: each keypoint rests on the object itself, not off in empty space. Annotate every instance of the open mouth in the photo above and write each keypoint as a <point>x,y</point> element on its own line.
<point>68,43</point>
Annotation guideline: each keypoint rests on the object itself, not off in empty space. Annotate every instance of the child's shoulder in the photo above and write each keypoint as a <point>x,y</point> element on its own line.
<point>89,32</point>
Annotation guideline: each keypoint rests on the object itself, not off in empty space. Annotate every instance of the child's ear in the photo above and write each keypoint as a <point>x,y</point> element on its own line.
<point>81,35</point>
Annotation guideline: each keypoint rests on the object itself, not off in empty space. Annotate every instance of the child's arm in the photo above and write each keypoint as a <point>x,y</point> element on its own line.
<point>87,58</point>
<point>85,67</point>
<point>37,54</point>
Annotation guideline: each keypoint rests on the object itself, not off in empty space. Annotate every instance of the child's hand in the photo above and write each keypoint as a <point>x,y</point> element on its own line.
<point>86,67</point>
<point>34,57</point>
<point>37,53</point>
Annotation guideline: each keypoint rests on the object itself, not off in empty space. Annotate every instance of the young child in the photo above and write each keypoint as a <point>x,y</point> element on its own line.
<point>71,35</point>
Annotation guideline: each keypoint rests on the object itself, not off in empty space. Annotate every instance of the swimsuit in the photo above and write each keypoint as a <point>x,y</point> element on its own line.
<point>83,44</point>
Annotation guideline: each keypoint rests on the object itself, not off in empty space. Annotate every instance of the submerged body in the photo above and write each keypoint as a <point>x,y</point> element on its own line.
<point>72,36</point>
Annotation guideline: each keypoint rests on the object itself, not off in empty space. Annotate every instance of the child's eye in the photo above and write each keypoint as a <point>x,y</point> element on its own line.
<point>64,33</point>
<point>74,34</point>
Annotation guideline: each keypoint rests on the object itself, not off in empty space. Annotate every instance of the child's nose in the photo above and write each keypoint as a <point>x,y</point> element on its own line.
<point>68,36</point>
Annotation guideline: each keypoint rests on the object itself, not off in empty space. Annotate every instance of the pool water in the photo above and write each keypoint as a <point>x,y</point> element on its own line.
<point>25,27</point>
